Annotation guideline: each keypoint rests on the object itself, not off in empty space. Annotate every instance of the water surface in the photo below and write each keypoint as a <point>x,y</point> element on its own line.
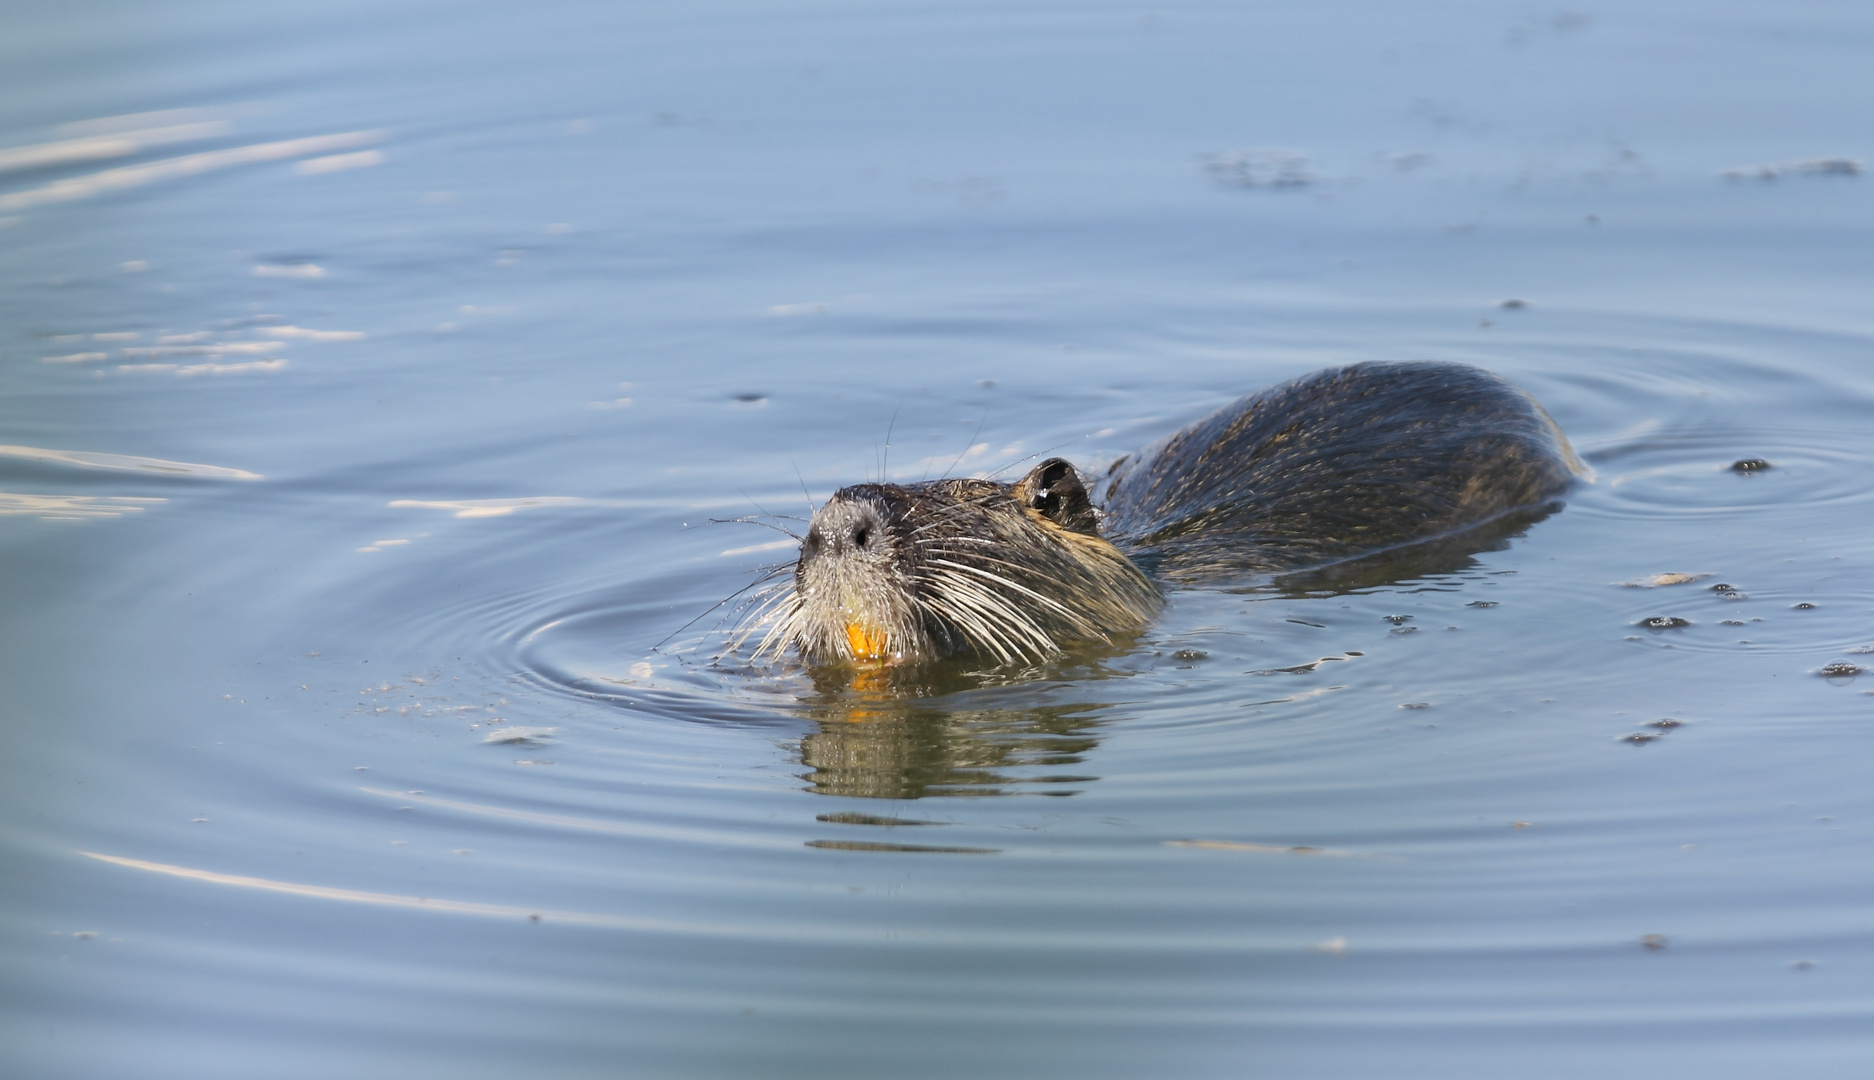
<point>365,421</point>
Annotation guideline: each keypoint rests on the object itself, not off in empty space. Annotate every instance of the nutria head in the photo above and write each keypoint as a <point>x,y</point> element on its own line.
<point>909,572</point>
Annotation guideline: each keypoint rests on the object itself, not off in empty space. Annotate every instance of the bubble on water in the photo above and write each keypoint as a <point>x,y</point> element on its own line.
<point>1666,724</point>
<point>1639,737</point>
<point>1840,669</point>
<point>1397,619</point>
<point>1482,603</point>
<point>1190,656</point>
<point>1804,606</point>
<point>1746,465</point>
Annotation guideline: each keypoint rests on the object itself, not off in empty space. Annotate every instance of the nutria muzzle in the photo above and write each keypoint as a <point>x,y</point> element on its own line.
<point>1009,572</point>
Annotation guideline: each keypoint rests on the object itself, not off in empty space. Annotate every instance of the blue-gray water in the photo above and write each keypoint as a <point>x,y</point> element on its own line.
<point>552,286</point>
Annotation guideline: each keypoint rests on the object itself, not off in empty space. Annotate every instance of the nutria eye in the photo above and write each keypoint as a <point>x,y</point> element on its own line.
<point>862,536</point>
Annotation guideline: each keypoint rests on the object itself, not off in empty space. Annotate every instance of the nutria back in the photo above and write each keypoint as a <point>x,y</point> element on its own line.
<point>1332,465</point>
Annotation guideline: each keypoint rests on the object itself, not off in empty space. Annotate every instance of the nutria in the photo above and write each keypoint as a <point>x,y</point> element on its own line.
<point>1330,466</point>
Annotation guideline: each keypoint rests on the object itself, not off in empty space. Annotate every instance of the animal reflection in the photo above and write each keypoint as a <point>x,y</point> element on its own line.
<point>874,744</point>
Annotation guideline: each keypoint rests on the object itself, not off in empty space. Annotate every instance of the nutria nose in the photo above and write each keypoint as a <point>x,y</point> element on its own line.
<point>844,526</point>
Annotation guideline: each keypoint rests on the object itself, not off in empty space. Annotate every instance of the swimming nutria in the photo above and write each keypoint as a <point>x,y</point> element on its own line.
<point>1332,465</point>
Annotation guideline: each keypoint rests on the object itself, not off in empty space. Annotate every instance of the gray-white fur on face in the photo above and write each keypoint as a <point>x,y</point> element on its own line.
<point>949,567</point>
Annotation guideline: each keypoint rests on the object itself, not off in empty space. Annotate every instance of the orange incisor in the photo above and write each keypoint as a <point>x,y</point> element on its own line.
<point>867,643</point>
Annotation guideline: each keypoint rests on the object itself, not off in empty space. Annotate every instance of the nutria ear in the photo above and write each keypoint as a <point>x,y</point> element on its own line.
<point>1054,490</point>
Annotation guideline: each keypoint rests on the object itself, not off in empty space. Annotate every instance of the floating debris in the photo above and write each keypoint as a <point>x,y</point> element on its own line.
<point>1265,168</point>
<point>1657,581</point>
<point>1260,849</point>
<point>1776,170</point>
<point>518,734</point>
<point>1665,622</point>
<point>928,849</point>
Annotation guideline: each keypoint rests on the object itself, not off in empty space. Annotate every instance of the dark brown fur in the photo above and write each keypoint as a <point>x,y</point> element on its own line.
<point>1327,467</point>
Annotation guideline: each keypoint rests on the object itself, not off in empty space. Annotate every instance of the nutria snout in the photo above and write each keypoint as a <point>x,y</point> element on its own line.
<point>1328,467</point>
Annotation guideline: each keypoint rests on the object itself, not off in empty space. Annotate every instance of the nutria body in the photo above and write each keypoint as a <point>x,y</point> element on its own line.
<point>1328,467</point>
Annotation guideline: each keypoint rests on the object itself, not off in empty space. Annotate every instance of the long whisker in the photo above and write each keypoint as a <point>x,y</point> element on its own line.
<point>1030,457</point>
<point>811,509</point>
<point>768,574</point>
<point>763,509</point>
<point>967,445</point>
<point>754,521</point>
<point>1080,621</point>
<point>1009,619</point>
<point>884,461</point>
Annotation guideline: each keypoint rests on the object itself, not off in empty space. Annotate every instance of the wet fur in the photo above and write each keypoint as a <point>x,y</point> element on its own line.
<point>1326,468</point>
<point>1335,465</point>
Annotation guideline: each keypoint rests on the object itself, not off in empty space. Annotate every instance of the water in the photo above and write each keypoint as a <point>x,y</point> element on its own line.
<point>330,463</point>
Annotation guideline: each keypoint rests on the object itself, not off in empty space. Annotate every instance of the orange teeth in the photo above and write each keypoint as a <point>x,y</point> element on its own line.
<point>865,642</point>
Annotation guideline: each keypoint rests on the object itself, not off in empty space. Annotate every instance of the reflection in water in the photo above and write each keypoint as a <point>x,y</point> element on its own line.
<point>426,903</point>
<point>87,460</point>
<point>1439,556</point>
<point>877,742</point>
<point>72,507</point>
<point>129,176</point>
<point>881,736</point>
